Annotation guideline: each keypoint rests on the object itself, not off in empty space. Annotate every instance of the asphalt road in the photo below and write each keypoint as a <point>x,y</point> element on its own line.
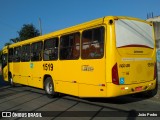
<point>26,99</point>
<point>23,100</point>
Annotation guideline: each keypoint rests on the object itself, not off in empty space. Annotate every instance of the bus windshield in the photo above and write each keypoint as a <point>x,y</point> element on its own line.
<point>131,33</point>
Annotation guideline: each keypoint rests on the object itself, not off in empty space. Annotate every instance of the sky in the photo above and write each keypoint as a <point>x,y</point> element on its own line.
<point>59,14</point>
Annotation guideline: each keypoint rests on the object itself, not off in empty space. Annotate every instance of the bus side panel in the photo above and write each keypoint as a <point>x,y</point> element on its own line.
<point>66,87</point>
<point>85,78</point>
<point>25,72</point>
<point>92,78</point>
<point>17,73</point>
<point>91,91</point>
<point>66,75</point>
<point>36,74</point>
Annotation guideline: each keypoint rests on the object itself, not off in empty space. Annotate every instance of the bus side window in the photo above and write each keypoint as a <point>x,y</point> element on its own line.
<point>86,43</point>
<point>70,46</point>
<point>17,54</point>
<point>25,55</point>
<point>36,51</point>
<point>10,55</point>
<point>93,43</point>
<point>50,49</point>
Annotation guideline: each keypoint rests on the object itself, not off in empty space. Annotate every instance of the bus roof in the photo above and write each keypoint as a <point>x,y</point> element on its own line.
<point>71,29</point>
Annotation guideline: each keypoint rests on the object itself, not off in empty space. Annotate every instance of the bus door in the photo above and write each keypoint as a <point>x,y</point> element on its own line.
<point>92,69</point>
<point>68,67</point>
<point>5,66</point>
<point>36,65</point>
<point>25,64</point>
<point>16,73</point>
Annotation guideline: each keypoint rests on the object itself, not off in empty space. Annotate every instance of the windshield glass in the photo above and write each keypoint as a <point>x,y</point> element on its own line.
<point>131,33</point>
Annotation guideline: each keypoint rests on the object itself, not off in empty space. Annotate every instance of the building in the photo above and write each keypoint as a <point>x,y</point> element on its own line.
<point>156,22</point>
<point>154,19</point>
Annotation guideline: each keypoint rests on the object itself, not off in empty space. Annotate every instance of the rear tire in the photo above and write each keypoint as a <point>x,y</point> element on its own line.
<point>49,87</point>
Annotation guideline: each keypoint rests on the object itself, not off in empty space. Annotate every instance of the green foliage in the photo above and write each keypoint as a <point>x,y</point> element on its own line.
<point>27,31</point>
<point>15,40</point>
<point>6,44</point>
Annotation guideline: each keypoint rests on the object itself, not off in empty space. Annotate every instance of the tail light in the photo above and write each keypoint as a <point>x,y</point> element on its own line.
<point>155,71</point>
<point>115,77</point>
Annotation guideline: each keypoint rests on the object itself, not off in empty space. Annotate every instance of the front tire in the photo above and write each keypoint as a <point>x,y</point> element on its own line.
<point>11,81</point>
<point>49,87</point>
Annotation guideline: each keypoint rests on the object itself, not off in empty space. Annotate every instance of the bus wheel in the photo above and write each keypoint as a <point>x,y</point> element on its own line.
<point>11,81</point>
<point>49,87</point>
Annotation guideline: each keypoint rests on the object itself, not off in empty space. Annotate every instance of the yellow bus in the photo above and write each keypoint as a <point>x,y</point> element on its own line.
<point>107,57</point>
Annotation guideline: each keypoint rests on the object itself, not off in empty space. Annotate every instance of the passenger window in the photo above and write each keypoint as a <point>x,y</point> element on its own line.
<point>70,46</point>
<point>50,49</point>
<point>36,51</point>
<point>25,57</point>
<point>17,54</point>
<point>93,43</point>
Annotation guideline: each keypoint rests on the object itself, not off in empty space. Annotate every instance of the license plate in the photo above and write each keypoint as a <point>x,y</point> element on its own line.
<point>138,88</point>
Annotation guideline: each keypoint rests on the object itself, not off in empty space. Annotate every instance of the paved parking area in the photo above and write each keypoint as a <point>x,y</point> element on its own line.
<point>24,100</point>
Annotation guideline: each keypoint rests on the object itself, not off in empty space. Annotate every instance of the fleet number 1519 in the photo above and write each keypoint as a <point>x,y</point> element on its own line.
<point>48,66</point>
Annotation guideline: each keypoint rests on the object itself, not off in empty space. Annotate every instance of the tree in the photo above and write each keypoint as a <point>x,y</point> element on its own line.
<point>0,56</point>
<point>27,31</point>
<point>6,44</point>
